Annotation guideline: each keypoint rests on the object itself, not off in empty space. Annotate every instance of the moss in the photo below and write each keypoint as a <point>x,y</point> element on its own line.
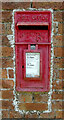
<point>32,92</point>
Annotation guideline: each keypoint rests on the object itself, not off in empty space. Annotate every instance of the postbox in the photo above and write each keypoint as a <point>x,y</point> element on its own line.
<point>32,50</point>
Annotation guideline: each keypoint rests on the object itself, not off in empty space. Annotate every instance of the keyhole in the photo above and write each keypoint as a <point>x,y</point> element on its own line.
<point>22,66</point>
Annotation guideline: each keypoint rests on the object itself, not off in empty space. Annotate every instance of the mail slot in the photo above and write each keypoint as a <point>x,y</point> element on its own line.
<point>32,50</point>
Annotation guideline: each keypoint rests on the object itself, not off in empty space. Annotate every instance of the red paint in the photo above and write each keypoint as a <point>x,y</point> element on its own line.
<point>24,99</point>
<point>32,27</point>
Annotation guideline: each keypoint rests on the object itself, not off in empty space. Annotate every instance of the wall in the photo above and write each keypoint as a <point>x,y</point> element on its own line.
<point>32,104</point>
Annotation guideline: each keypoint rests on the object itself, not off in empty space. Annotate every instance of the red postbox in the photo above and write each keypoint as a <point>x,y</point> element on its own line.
<point>32,50</point>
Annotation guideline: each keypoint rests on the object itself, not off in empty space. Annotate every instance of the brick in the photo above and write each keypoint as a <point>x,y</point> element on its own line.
<point>0,51</point>
<point>0,86</point>
<point>0,94</point>
<point>11,73</point>
<point>58,74</point>
<point>25,98</point>
<point>0,114</point>
<point>60,28</point>
<point>0,40</point>
<point>3,73</point>
<point>58,16</point>
<point>61,74</point>
<point>14,114</point>
<point>63,96</point>
<point>47,5</point>
<point>57,105</point>
<point>7,94</point>
<point>57,84</point>
<point>7,62</point>
<point>6,16</point>
<point>0,62</point>
<point>63,105</point>
<point>5,41</point>
<point>55,26</point>
<point>0,16</point>
<point>58,40</point>
<point>57,95</point>
<point>0,5</point>
<point>52,114</point>
<point>47,115</point>
<point>44,115</point>
<point>62,84</point>
<point>4,29</point>
<point>7,84</point>
<point>15,5</point>
<point>33,106</point>
<point>58,62</point>
<point>4,114</point>
<point>8,27</point>
<point>0,28</point>
<point>40,98</point>
<point>0,104</point>
<point>7,52</point>
<point>33,115</point>
<point>7,105</point>
<point>59,114</point>
<point>58,52</point>
<point>0,73</point>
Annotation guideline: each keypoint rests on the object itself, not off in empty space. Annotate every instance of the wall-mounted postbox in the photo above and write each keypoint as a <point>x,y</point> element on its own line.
<point>32,50</point>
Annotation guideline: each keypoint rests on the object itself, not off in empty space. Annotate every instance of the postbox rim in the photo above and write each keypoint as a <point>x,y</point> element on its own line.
<point>22,40</point>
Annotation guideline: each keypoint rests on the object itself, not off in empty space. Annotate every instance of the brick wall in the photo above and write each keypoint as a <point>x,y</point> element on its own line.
<point>31,104</point>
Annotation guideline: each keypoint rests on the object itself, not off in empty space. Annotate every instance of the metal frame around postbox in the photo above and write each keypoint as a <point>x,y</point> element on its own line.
<point>18,86</point>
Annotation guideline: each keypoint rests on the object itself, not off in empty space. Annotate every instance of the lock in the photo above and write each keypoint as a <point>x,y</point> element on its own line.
<point>33,50</point>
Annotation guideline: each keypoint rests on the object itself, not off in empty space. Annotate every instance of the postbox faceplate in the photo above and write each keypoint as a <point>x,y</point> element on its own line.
<point>32,48</point>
